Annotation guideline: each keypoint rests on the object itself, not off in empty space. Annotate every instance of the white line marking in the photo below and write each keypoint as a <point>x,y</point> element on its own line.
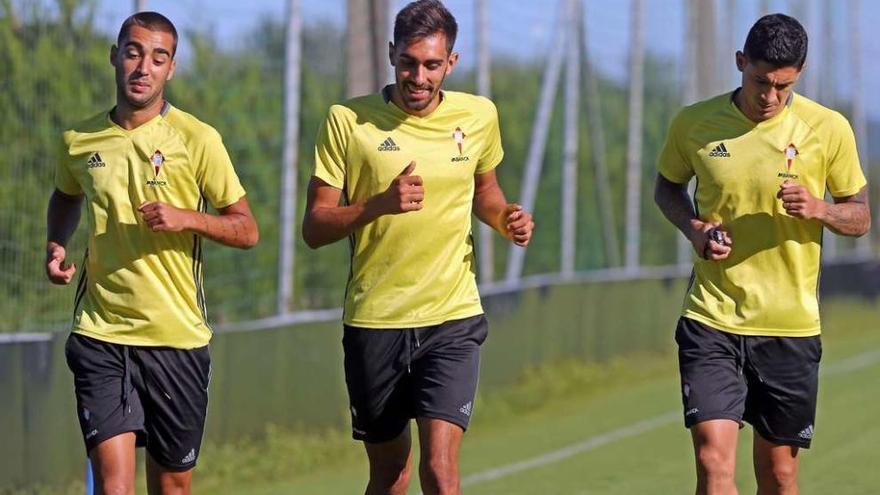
<point>572,450</point>
<point>851,364</point>
<point>839,368</point>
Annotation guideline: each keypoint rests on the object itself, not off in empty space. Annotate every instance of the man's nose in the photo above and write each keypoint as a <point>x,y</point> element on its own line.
<point>419,75</point>
<point>144,66</point>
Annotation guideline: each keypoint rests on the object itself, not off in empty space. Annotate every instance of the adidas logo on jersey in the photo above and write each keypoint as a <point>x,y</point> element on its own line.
<point>389,145</point>
<point>806,433</point>
<point>720,151</point>
<point>191,457</point>
<point>95,161</point>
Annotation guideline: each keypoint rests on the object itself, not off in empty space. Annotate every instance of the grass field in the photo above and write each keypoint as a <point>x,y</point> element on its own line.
<point>617,430</point>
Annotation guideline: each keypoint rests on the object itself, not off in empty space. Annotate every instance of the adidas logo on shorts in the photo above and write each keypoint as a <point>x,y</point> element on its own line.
<point>466,409</point>
<point>806,433</point>
<point>191,457</point>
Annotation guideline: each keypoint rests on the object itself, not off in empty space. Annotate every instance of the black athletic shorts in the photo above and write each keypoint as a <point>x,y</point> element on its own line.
<point>159,393</point>
<point>770,382</point>
<point>394,375</point>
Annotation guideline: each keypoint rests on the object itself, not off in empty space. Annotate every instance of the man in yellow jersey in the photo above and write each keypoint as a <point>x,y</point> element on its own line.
<point>139,348</point>
<point>411,164</point>
<point>748,337</point>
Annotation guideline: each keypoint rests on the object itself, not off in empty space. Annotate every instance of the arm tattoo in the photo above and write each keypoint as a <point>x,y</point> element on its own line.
<point>850,217</point>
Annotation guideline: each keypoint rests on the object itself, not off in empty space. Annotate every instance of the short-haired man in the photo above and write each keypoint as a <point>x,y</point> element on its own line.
<point>139,347</point>
<point>748,338</point>
<point>413,162</point>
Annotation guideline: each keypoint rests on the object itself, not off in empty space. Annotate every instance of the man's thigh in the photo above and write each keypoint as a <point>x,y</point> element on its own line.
<point>173,387</point>
<point>446,369</point>
<point>710,361</point>
<point>783,376</point>
<point>377,363</point>
<point>107,404</point>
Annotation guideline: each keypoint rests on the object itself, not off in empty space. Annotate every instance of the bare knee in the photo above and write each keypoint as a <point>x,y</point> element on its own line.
<point>716,462</point>
<point>440,472</point>
<point>389,476</point>
<point>390,469</point>
<point>780,477</point>
<point>117,485</point>
<point>173,483</point>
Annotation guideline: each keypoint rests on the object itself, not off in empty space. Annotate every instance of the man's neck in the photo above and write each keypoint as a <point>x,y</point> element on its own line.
<point>397,99</point>
<point>128,117</point>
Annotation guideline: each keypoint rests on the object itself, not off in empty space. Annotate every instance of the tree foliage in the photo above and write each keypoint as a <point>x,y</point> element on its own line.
<point>56,72</point>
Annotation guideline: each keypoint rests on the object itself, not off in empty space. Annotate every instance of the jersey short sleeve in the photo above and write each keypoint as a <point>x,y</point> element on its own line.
<point>493,152</point>
<point>330,147</point>
<point>215,174</point>
<point>673,163</point>
<point>64,179</point>
<point>845,176</point>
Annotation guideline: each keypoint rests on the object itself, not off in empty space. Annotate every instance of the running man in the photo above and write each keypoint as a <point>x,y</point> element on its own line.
<point>748,338</point>
<point>139,347</point>
<point>411,164</point>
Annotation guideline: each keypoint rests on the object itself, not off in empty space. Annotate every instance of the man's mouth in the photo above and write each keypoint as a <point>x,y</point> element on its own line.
<point>139,87</point>
<point>417,93</point>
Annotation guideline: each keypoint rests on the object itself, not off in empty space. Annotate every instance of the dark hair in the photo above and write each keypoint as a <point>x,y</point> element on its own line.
<point>779,40</point>
<point>423,18</point>
<point>153,21</point>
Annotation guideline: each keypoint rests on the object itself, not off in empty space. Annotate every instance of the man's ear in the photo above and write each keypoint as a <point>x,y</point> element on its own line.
<point>113,52</point>
<point>450,64</point>
<point>173,68</point>
<point>741,60</point>
<point>391,53</point>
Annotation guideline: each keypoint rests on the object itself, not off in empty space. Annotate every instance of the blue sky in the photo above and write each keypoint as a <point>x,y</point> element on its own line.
<point>523,28</point>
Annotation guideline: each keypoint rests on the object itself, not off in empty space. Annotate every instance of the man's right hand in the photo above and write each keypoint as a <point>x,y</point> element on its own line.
<point>704,245</point>
<point>404,194</point>
<point>57,272</point>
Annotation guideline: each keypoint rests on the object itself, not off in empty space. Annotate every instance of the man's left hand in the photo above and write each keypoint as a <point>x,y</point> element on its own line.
<point>799,203</point>
<point>162,217</point>
<point>518,224</point>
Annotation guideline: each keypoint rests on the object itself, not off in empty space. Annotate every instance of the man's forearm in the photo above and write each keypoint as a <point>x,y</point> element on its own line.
<point>62,217</point>
<point>675,204</point>
<point>850,218</point>
<point>326,225</point>
<point>233,229</point>
<point>489,206</point>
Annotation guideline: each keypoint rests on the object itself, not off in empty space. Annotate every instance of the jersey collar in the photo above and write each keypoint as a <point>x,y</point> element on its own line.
<point>386,97</point>
<point>776,118</point>
<point>166,107</point>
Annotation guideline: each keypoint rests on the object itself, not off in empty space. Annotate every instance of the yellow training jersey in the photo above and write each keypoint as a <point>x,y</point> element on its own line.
<point>417,268</point>
<point>769,284</point>
<point>136,286</point>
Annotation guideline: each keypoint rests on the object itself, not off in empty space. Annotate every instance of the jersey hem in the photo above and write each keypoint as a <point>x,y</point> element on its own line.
<point>330,181</point>
<point>397,325</point>
<point>842,194</point>
<point>493,166</point>
<point>141,342</point>
<point>757,332</point>
<point>674,180</point>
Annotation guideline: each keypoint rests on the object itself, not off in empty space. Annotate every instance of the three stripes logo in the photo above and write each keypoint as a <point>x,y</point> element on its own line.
<point>720,151</point>
<point>95,161</point>
<point>806,433</point>
<point>388,145</point>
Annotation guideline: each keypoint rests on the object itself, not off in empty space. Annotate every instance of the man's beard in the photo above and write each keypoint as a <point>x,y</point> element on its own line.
<point>419,105</point>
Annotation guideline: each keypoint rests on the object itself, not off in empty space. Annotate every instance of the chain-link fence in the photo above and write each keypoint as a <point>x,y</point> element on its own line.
<point>559,72</point>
